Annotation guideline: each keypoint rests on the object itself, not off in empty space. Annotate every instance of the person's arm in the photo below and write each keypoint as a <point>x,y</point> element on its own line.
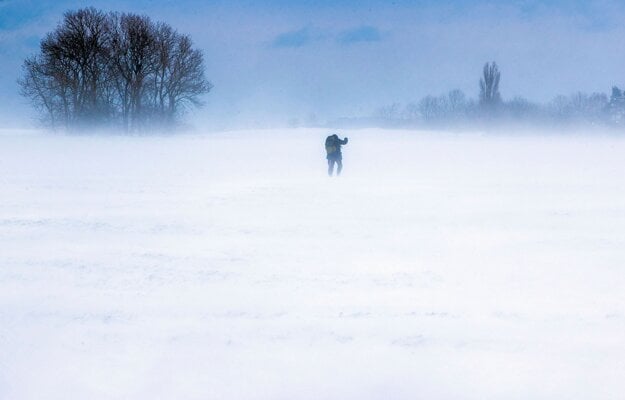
<point>344,141</point>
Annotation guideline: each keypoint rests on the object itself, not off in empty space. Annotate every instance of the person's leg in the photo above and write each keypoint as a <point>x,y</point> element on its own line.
<point>339,164</point>
<point>330,167</point>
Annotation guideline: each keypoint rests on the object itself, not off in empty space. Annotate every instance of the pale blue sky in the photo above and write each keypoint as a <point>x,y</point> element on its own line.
<point>276,60</point>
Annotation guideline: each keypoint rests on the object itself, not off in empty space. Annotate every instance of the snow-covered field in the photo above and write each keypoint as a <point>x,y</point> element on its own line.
<point>228,266</point>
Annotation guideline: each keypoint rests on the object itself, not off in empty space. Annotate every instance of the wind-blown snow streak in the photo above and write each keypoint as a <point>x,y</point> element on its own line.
<point>230,267</point>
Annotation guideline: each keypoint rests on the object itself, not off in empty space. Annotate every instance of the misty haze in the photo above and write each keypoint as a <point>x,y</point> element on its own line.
<point>312,200</point>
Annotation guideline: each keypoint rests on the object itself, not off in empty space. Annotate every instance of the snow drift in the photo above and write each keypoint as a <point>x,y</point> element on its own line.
<point>229,266</point>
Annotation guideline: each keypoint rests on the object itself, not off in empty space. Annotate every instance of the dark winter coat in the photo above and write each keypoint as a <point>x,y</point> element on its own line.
<point>333,147</point>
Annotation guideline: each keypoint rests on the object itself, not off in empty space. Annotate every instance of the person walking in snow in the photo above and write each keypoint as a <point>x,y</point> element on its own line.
<point>334,155</point>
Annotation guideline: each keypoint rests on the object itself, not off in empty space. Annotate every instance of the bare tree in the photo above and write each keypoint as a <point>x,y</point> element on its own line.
<point>39,86</point>
<point>456,103</point>
<point>431,108</point>
<point>185,81</point>
<point>132,52</point>
<point>103,68</point>
<point>77,55</point>
<point>617,106</point>
<point>67,80</point>
<point>581,107</point>
<point>489,85</point>
<point>164,43</point>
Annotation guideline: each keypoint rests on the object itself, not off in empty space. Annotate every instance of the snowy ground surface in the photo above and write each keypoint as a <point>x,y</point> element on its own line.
<point>228,266</point>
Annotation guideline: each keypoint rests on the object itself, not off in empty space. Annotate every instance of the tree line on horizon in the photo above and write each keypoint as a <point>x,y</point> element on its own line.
<point>455,108</point>
<point>125,71</point>
<point>121,70</point>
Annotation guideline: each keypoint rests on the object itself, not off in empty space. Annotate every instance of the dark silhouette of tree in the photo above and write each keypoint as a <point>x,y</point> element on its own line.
<point>132,48</point>
<point>164,43</point>
<point>184,83</point>
<point>43,91</point>
<point>67,80</point>
<point>617,106</point>
<point>489,86</point>
<point>97,68</point>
